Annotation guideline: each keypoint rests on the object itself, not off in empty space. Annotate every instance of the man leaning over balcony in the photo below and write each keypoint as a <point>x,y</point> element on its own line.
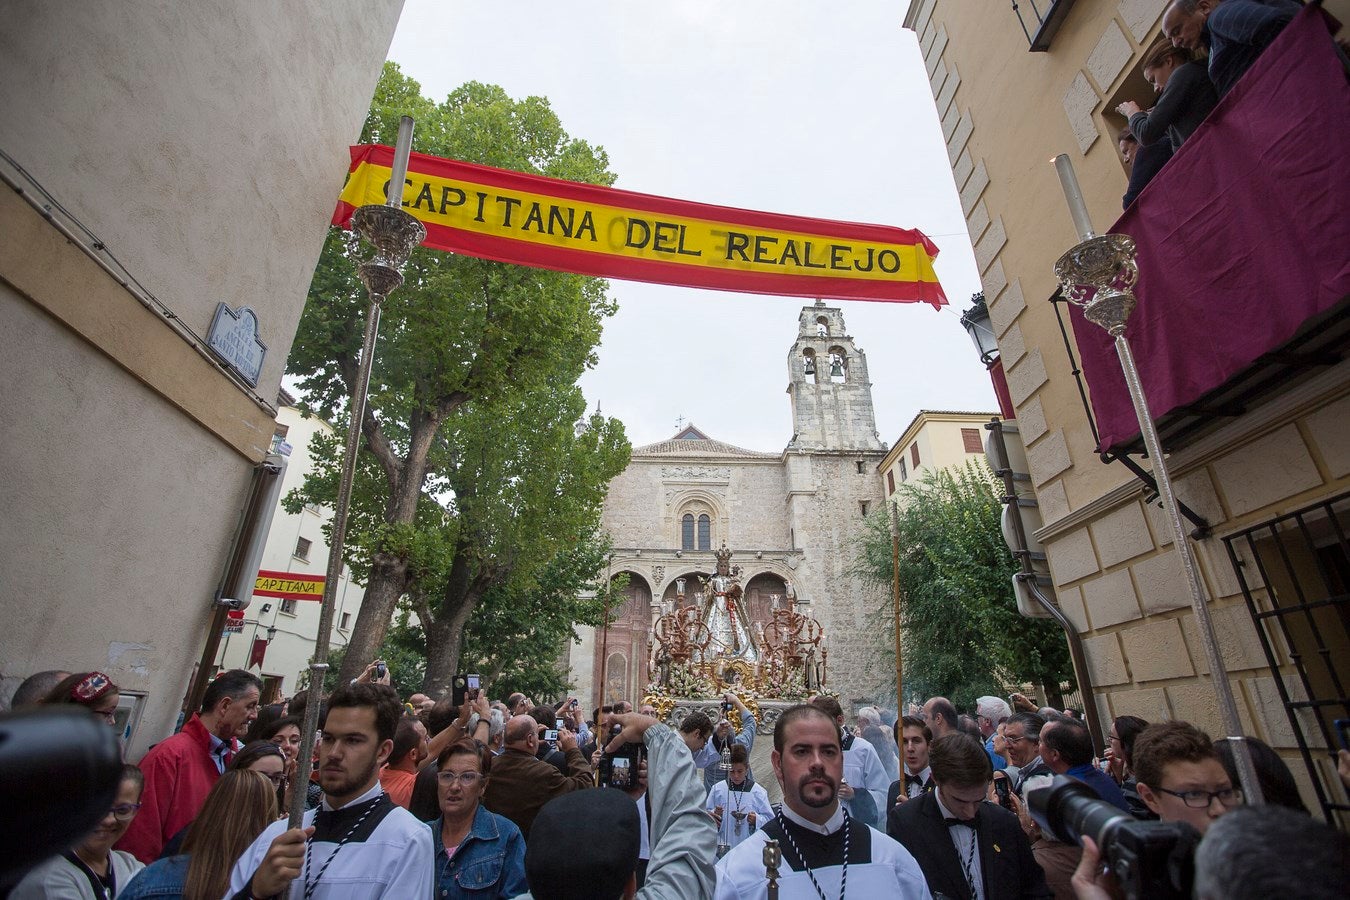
<point>1235,31</point>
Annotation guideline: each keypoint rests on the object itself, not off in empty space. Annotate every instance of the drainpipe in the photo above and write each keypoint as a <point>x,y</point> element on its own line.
<point>1029,578</point>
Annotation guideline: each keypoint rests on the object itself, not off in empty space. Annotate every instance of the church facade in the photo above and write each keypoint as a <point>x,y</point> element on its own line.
<point>791,518</point>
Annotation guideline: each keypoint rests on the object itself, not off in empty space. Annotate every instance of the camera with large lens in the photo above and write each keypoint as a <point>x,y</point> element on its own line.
<point>1149,859</point>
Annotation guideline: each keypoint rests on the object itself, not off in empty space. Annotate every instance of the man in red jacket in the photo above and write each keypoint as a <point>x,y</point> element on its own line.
<point>180,771</point>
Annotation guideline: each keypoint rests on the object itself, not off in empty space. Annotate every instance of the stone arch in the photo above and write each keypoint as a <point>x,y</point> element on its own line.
<point>822,326</point>
<point>624,639</point>
<point>810,365</point>
<point>693,585</point>
<point>759,589</point>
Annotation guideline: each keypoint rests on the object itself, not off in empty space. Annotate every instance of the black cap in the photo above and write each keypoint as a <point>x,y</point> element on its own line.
<point>583,845</point>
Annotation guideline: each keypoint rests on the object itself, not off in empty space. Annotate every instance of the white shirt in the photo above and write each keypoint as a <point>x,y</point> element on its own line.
<point>393,861</point>
<point>914,783</point>
<point>890,872</point>
<point>863,771</point>
<point>755,800</point>
<point>967,849</point>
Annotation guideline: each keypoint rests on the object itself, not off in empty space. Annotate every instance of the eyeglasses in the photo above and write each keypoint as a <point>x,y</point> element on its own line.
<point>277,778</point>
<point>124,812</point>
<point>1015,740</point>
<point>1202,799</point>
<point>109,716</point>
<point>465,779</point>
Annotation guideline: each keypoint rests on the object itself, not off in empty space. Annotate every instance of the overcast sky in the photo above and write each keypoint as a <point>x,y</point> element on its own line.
<point>794,106</point>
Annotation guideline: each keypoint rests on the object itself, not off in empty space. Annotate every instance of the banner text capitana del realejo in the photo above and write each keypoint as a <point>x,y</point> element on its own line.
<point>548,223</point>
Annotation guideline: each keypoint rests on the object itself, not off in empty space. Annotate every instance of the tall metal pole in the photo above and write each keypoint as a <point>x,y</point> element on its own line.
<point>394,233</point>
<point>1099,275</point>
<point>895,597</point>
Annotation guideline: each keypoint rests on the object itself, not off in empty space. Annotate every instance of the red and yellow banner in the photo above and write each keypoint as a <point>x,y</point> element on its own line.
<point>588,229</point>
<point>289,585</point>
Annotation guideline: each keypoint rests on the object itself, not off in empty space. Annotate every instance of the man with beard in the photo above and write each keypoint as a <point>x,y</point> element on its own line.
<point>358,844</point>
<point>824,850</point>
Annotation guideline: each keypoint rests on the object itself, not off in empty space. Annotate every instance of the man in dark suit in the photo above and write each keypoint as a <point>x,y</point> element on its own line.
<point>967,848</point>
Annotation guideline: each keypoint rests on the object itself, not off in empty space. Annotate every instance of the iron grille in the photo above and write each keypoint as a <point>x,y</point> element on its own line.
<point>1295,575</point>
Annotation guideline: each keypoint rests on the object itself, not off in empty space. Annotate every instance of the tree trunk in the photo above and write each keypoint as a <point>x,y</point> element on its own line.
<point>1053,695</point>
<point>388,581</point>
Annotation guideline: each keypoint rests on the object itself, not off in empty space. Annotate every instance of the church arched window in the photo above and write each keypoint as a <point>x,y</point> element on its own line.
<point>687,532</point>
<point>822,327</point>
<point>704,532</point>
<point>809,365</point>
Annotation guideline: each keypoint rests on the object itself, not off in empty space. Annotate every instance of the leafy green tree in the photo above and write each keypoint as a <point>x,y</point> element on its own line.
<point>460,332</point>
<point>528,483</point>
<point>962,634</point>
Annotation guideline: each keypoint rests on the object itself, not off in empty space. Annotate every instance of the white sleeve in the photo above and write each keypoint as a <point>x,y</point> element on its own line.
<point>244,867</point>
<point>412,876</point>
<point>714,797</point>
<point>875,779</point>
<point>761,805</point>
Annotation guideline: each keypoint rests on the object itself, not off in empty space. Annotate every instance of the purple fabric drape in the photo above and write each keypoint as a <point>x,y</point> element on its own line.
<point>1241,238</point>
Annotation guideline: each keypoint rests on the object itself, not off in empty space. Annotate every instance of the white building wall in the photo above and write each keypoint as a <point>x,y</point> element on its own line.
<point>297,625</point>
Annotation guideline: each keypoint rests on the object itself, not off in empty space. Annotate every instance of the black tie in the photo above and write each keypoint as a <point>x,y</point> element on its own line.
<point>953,822</point>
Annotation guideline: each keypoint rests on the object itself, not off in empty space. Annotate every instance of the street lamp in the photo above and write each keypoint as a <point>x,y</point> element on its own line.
<point>976,323</point>
<point>271,633</point>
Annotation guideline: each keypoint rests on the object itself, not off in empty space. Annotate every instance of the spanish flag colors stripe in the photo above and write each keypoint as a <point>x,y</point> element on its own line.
<point>548,223</point>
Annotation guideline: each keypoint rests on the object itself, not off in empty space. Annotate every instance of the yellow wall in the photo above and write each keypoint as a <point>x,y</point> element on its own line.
<point>1006,112</point>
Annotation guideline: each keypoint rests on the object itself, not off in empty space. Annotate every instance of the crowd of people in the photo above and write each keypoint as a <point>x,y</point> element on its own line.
<point>507,798</point>
<point>1207,46</point>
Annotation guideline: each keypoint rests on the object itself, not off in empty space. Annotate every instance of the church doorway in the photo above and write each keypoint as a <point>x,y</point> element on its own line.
<point>621,649</point>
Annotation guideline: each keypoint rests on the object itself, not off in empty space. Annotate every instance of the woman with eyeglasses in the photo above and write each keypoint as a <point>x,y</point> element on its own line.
<point>285,733</point>
<point>241,804</point>
<point>92,870</point>
<point>482,854</point>
<point>92,690</point>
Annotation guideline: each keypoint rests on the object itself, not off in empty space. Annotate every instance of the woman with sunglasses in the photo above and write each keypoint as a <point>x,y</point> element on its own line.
<point>241,804</point>
<point>92,690</point>
<point>92,870</point>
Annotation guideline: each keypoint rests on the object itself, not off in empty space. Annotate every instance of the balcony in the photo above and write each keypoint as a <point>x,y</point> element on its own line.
<point>1244,253</point>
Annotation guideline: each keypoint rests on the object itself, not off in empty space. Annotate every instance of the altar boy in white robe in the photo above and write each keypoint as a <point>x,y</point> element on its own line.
<point>738,805</point>
<point>825,852</point>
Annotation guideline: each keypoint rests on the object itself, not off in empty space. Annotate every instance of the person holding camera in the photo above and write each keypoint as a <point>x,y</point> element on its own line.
<point>821,850</point>
<point>724,735</point>
<point>586,844</point>
<point>521,783</point>
<point>965,846</point>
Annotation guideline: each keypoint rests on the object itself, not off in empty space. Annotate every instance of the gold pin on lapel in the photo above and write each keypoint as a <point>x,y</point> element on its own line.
<point>997,849</point>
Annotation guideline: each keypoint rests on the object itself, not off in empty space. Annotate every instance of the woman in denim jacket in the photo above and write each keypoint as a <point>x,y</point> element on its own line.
<point>481,854</point>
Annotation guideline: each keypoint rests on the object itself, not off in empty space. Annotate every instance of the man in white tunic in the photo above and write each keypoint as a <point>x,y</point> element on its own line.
<point>825,852</point>
<point>358,844</point>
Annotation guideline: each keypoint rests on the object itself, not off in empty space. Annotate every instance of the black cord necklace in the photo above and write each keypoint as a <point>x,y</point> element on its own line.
<point>843,876</point>
<point>311,887</point>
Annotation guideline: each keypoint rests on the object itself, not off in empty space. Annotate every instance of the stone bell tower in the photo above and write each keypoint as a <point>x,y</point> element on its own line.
<point>831,396</point>
<point>830,466</point>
